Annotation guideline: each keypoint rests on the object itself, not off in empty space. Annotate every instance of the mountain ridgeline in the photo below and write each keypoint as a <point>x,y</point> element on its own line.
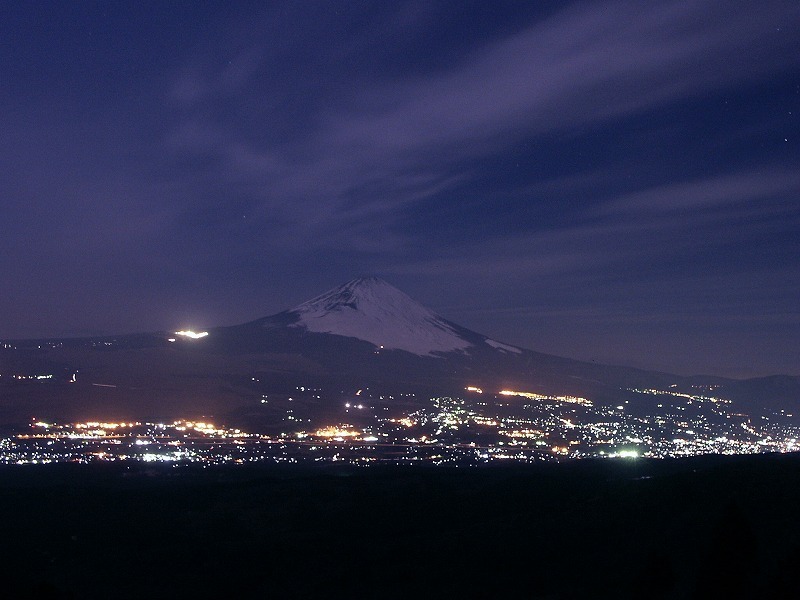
<point>365,333</point>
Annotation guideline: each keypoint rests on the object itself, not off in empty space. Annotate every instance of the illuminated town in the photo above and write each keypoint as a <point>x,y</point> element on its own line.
<point>477,428</point>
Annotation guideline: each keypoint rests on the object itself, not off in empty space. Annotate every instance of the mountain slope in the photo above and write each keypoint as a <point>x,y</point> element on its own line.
<point>370,309</point>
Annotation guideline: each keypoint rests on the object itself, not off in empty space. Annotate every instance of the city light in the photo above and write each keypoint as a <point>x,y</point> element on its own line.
<point>441,431</point>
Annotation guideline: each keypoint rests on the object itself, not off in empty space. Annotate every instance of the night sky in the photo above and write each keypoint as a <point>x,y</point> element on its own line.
<point>609,181</point>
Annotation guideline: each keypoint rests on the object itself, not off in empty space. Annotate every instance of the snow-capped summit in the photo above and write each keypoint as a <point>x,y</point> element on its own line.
<point>370,309</point>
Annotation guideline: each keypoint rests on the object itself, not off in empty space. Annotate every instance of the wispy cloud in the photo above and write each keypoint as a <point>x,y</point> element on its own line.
<point>588,64</point>
<point>730,190</point>
<point>699,232</point>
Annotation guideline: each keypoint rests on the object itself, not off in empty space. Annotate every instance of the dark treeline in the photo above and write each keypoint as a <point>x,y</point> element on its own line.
<point>704,527</point>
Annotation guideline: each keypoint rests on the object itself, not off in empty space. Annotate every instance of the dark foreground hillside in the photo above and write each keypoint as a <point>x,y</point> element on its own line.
<point>704,528</point>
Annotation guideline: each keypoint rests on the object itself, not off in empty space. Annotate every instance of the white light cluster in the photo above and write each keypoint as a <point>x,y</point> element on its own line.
<point>194,335</point>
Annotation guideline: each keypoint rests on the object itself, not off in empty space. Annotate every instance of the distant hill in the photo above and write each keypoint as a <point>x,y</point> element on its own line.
<point>363,333</point>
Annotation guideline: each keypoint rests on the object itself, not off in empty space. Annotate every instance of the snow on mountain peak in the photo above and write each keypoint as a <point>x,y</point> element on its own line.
<point>370,309</point>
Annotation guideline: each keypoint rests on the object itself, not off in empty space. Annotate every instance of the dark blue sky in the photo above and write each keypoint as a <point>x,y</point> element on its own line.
<point>612,181</point>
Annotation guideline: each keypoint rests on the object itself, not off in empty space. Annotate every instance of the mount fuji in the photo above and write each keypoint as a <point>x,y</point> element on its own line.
<point>370,309</point>
<point>374,311</point>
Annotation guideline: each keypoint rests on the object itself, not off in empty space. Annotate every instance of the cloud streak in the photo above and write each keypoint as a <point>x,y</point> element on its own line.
<point>587,65</point>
